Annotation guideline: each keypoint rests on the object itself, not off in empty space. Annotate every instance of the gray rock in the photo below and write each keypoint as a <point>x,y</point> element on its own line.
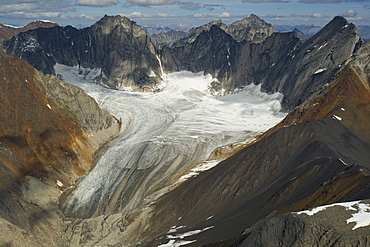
<point>251,28</point>
<point>116,45</point>
<point>328,227</point>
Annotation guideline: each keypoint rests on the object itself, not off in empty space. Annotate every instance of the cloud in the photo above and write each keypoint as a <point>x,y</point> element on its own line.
<point>349,13</point>
<point>97,3</point>
<point>314,15</point>
<point>223,15</point>
<point>35,8</point>
<point>211,7</point>
<point>82,16</point>
<point>137,15</point>
<point>148,3</point>
<point>318,15</point>
<point>165,15</point>
<point>189,5</point>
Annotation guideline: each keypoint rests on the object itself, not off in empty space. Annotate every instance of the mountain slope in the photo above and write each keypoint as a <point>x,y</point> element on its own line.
<point>117,49</point>
<point>49,133</point>
<point>318,155</point>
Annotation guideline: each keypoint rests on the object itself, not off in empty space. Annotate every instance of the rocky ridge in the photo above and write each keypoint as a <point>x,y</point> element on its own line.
<point>7,32</point>
<point>118,48</point>
<point>281,63</point>
<point>251,28</point>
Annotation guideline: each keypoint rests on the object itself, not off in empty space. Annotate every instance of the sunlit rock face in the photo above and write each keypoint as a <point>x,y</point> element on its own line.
<point>116,46</point>
<point>49,133</point>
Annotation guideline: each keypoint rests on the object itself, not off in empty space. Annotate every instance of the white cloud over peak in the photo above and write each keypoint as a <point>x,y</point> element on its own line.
<point>318,15</point>
<point>137,14</point>
<point>349,13</point>
<point>223,15</point>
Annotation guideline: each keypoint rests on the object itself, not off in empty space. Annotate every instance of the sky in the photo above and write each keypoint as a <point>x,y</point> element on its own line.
<point>82,13</point>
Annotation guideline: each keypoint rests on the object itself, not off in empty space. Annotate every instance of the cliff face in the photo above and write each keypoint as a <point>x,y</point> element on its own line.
<point>281,62</point>
<point>49,133</point>
<point>117,46</point>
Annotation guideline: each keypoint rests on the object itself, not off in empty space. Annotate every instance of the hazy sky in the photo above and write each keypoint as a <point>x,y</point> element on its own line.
<point>81,13</point>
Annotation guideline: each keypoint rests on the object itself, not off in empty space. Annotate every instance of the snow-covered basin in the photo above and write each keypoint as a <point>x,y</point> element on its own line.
<point>168,132</point>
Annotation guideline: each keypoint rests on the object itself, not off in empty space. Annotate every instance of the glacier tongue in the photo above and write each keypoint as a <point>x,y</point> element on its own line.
<point>164,135</point>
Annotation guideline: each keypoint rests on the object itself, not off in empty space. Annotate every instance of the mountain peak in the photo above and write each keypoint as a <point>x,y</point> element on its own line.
<point>111,22</point>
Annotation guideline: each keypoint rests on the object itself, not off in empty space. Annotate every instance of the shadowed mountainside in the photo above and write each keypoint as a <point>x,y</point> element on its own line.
<point>117,47</point>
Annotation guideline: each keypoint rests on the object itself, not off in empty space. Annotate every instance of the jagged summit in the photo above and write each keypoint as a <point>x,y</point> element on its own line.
<point>251,28</point>
<point>116,46</point>
<point>109,23</point>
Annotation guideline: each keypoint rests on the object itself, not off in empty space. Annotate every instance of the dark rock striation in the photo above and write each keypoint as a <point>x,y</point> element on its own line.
<point>116,45</point>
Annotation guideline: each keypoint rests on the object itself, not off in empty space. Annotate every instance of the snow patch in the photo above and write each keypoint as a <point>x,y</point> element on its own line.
<point>174,243</point>
<point>195,171</point>
<point>60,184</point>
<point>49,106</point>
<point>361,216</point>
<point>337,118</point>
<point>79,74</point>
<point>210,217</point>
<point>177,240</point>
<point>343,109</point>
<point>152,74</point>
<point>320,71</point>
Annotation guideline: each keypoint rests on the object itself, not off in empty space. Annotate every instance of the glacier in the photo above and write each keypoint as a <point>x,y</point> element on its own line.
<point>164,136</point>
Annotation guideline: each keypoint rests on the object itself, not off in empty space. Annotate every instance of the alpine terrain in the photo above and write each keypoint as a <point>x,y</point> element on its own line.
<point>225,135</point>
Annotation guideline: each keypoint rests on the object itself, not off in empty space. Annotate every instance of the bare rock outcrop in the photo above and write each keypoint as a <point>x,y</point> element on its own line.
<point>115,45</point>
